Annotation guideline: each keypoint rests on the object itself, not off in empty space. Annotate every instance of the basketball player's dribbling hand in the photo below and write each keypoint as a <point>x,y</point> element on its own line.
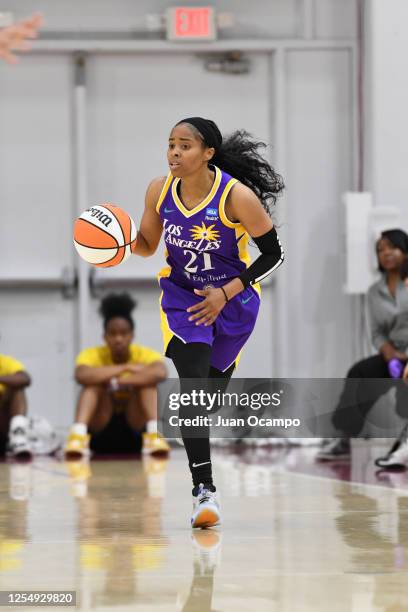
<point>15,37</point>
<point>208,310</point>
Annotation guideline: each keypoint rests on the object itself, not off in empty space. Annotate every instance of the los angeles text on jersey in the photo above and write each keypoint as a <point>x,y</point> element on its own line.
<point>173,233</point>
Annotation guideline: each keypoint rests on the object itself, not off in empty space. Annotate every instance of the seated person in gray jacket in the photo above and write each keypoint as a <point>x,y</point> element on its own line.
<point>387,301</point>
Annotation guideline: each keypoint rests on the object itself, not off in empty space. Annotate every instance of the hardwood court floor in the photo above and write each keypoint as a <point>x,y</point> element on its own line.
<point>296,535</point>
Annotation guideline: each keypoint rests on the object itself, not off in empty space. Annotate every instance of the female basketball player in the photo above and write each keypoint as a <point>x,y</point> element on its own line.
<point>119,395</point>
<point>215,197</point>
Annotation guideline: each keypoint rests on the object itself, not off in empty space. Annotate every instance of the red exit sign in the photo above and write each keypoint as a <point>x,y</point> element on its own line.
<point>191,23</point>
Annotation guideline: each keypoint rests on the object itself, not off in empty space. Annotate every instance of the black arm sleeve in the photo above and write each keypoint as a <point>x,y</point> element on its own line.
<point>271,257</point>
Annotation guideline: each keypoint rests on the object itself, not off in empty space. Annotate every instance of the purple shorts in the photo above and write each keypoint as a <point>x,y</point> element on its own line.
<point>227,335</point>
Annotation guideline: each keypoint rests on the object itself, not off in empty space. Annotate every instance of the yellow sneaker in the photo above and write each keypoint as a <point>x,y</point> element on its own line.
<point>77,446</point>
<point>154,444</point>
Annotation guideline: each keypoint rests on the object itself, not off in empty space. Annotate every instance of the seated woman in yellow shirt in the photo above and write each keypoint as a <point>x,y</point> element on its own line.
<point>119,389</point>
<point>13,408</point>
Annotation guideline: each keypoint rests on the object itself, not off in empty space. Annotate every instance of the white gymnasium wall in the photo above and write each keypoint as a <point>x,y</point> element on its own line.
<point>386,103</point>
<point>277,18</point>
<point>319,169</point>
<point>318,164</point>
<point>36,204</point>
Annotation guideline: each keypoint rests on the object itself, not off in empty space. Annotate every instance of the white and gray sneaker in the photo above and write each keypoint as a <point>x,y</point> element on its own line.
<point>397,457</point>
<point>18,445</point>
<point>206,510</point>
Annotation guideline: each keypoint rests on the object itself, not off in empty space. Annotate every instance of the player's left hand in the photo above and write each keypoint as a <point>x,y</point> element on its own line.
<point>208,310</point>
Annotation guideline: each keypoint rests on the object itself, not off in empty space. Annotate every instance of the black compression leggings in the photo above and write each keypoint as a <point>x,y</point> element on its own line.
<point>361,392</point>
<point>192,361</point>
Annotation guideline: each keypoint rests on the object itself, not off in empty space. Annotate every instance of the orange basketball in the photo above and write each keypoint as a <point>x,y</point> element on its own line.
<point>104,235</point>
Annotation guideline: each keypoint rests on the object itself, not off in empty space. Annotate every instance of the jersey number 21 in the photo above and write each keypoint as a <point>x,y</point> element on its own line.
<point>193,256</point>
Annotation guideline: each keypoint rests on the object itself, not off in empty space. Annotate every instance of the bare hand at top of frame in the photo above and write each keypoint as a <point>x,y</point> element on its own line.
<point>14,37</point>
<point>208,310</point>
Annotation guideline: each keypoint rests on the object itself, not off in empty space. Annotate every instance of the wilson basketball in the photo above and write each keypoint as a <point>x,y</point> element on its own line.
<point>104,235</point>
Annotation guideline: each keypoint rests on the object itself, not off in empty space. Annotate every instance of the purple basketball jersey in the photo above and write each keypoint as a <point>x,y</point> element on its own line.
<point>203,247</point>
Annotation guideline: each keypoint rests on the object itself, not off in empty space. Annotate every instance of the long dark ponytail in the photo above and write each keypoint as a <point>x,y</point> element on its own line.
<point>239,155</point>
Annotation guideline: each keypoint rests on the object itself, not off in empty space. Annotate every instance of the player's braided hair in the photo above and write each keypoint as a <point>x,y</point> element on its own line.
<point>239,155</point>
<point>117,305</point>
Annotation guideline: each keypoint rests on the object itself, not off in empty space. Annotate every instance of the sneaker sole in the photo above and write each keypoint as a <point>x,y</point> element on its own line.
<point>25,455</point>
<point>75,455</point>
<point>383,464</point>
<point>206,518</point>
<point>155,453</point>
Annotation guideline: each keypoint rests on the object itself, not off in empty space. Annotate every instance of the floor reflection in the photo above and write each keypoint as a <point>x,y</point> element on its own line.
<point>119,526</point>
<point>14,495</point>
<point>206,545</point>
<point>296,535</point>
<point>375,528</point>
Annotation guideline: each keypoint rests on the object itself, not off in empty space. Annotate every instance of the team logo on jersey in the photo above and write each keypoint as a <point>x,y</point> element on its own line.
<point>211,211</point>
<point>211,214</point>
<point>203,238</point>
<point>204,233</point>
